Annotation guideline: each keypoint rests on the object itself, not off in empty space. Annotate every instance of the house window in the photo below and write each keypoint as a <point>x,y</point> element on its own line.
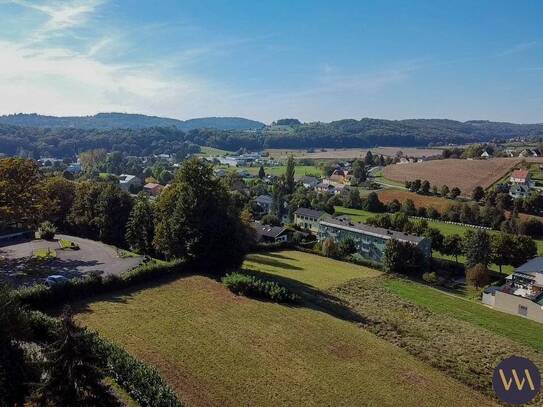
<point>523,310</point>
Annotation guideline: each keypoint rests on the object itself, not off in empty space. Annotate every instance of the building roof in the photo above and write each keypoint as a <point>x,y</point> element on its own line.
<point>308,179</point>
<point>520,174</point>
<point>532,267</point>
<point>312,213</point>
<point>267,230</point>
<point>264,199</point>
<point>372,230</point>
<point>152,185</point>
<point>126,178</point>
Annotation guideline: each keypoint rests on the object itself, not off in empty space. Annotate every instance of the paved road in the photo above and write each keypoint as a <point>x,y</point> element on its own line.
<point>91,257</point>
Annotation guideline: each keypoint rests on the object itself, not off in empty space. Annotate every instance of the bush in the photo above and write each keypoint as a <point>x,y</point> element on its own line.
<point>329,248</point>
<point>478,276</point>
<point>47,230</point>
<point>430,278</point>
<point>251,286</point>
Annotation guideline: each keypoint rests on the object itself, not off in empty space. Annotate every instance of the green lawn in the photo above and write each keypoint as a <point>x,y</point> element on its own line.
<point>316,271</point>
<point>516,328</point>
<point>67,244</point>
<point>216,348</point>
<point>211,151</point>
<point>300,170</point>
<point>379,177</point>
<point>44,254</point>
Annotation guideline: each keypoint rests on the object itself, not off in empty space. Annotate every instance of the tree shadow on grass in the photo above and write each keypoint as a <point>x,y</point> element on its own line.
<point>265,260</point>
<point>312,297</point>
<point>280,256</point>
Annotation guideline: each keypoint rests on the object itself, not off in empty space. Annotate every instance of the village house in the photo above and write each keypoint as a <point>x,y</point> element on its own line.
<point>309,182</point>
<point>519,191</point>
<point>325,188</point>
<point>270,234</point>
<point>153,189</point>
<point>485,155</point>
<point>308,219</point>
<point>264,202</point>
<point>521,177</point>
<point>370,241</point>
<point>522,294</point>
<point>340,176</point>
<point>129,183</point>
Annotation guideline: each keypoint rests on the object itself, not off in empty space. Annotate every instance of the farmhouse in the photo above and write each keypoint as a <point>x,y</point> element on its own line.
<point>270,234</point>
<point>370,241</point>
<point>153,189</point>
<point>522,294</point>
<point>521,177</point>
<point>129,182</point>
<point>308,219</point>
<point>340,176</point>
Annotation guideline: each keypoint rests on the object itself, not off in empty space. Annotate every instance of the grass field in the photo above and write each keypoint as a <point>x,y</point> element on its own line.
<point>518,329</point>
<point>464,174</point>
<point>316,271</point>
<point>300,170</point>
<point>211,151</point>
<point>215,348</point>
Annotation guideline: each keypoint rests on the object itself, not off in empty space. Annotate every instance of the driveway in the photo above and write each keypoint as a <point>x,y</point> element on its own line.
<point>19,268</point>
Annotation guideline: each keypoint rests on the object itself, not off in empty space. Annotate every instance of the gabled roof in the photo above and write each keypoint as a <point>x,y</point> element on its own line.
<point>520,174</point>
<point>268,231</point>
<point>264,199</point>
<point>312,213</point>
<point>152,185</point>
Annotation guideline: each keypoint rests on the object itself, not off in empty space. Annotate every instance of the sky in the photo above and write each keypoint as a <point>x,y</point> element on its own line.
<point>312,60</point>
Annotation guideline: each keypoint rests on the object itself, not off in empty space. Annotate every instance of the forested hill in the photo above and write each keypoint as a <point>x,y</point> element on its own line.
<point>68,141</point>
<point>128,121</point>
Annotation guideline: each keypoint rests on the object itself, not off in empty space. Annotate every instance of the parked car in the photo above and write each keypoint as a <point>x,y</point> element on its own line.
<point>55,280</point>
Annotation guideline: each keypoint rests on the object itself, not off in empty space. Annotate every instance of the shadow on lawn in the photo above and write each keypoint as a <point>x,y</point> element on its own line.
<point>279,256</point>
<point>311,297</point>
<point>265,260</point>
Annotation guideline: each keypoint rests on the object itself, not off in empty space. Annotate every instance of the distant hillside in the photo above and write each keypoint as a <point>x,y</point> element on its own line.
<point>128,121</point>
<point>64,137</point>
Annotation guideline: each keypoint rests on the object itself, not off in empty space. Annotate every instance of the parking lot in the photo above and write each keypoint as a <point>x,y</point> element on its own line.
<point>19,267</point>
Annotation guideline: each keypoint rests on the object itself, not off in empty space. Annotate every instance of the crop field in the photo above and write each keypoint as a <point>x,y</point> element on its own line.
<point>350,153</point>
<point>441,204</point>
<point>464,174</point>
<point>215,348</point>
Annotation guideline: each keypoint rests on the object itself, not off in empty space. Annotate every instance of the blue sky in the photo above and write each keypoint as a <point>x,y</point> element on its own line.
<point>314,60</point>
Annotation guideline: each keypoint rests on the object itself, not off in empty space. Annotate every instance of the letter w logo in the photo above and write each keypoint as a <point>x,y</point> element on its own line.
<point>519,383</point>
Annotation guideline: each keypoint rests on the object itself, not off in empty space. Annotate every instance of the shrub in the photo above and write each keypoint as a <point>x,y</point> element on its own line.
<point>430,278</point>
<point>329,248</point>
<point>251,286</point>
<point>41,297</point>
<point>47,230</point>
<point>478,276</point>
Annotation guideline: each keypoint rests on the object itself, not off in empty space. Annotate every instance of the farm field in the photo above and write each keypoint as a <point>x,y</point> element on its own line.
<point>316,271</point>
<point>350,153</point>
<point>441,204</point>
<point>215,348</point>
<point>211,151</point>
<point>464,174</point>
<point>518,329</point>
<point>300,170</point>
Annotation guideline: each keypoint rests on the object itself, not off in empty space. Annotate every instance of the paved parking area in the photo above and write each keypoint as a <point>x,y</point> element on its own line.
<point>18,268</point>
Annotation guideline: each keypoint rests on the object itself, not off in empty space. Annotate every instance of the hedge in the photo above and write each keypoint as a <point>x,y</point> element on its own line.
<point>252,286</point>
<point>142,382</point>
<point>41,297</point>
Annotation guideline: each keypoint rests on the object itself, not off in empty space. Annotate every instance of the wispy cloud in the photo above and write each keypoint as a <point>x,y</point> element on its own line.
<point>518,48</point>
